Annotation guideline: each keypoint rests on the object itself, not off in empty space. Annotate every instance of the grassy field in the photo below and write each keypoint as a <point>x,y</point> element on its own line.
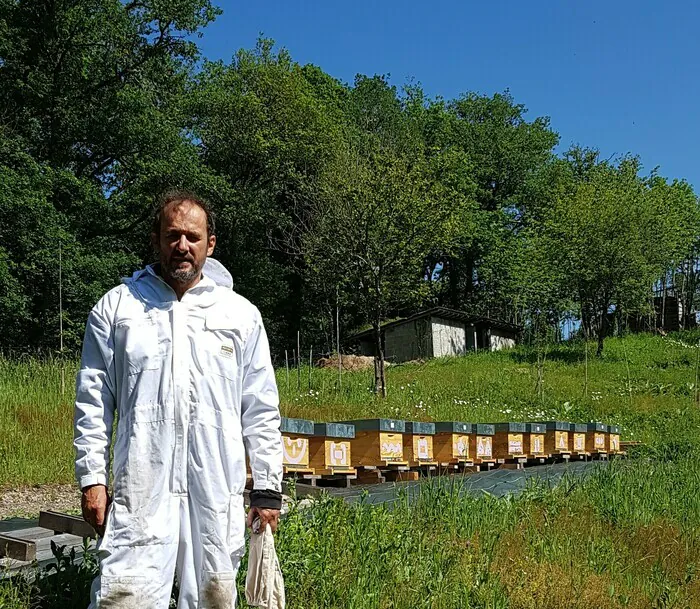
<point>626,537</point>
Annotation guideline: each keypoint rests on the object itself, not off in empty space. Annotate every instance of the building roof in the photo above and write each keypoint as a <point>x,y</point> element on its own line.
<point>444,313</point>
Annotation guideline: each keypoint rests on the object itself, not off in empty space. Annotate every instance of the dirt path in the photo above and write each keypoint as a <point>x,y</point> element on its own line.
<point>28,501</point>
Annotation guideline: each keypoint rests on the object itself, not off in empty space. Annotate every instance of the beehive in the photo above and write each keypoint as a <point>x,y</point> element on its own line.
<point>556,438</point>
<point>295,445</point>
<point>614,439</point>
<point>419,443</point>
<point>534,440</point>
<point>378,442</point>
<point>330,449</point>
<point>481,443</point>
<point>451,442</point>
<point>578,440</point>
<point>596,439</point>
<point>509,441</point>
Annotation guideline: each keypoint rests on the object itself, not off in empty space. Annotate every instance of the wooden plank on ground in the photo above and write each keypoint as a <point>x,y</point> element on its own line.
<point>30,534</point>
<point>17,549</point>
<point>65,523</point>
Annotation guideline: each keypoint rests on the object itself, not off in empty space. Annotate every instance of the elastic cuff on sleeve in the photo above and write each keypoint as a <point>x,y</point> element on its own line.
<point>92,479</point>
<point>266,499</point>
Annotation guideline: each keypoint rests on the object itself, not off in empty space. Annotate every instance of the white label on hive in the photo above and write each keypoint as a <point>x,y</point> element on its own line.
<point>295,451</point>
<point>614,442</point>
<point>391,446</point>
<point>338,454</point>
<point>599,441</point>
<point>515,444</point>
<point>422,448</point>
<point>580,442</point>
<point>562,440</point>
<point>460,446</point>
<point>536,444</point>
<point>483,447</point>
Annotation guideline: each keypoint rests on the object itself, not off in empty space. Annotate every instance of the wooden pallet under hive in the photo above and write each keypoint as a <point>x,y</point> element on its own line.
<point>295,446</point>
<point>534,441</point>
<point>481,445</point>
<point>451,444</point>
<point>330,450</point>
<point>509,444</point>
<point>597,440</point>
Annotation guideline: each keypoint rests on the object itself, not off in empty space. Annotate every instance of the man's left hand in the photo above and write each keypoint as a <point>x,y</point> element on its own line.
<point>266,515</point>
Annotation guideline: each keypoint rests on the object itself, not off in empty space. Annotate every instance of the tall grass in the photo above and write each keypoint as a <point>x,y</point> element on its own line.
<point>653,403</point>
<point>627,536</point>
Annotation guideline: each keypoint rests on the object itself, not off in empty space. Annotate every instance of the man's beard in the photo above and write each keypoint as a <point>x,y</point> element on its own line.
<point>182,276</point>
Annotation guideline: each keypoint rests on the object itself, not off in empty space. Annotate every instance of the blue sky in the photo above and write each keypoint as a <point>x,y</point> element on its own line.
<point>618,75</point>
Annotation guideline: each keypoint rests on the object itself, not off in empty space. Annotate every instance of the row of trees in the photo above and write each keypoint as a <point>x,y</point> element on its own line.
<point>336,203</point>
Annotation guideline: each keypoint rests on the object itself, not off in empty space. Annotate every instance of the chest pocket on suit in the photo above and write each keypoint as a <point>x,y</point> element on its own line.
<point>140,343</point>
<point>222,344</point>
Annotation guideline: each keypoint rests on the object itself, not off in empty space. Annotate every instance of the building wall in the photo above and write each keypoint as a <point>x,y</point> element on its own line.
<point>449,337</point>
<point>501,339</point>
<point>408,341</point>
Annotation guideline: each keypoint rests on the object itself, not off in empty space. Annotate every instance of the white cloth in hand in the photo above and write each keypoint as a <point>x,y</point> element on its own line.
<point>264,585</point>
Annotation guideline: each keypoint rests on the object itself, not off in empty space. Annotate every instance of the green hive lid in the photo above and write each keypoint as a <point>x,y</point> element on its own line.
<point>558,425</point>
<point>511,427</point>
<point>579,427</point>
<point>485,429</point>
<point>297,426</point>
<point>614,429</point>
<point>597,427</point>
<point>390,425</point>
<point>334,430</point>
<point>420,428</point>
<point>536,427</point>
<point>453,427</point>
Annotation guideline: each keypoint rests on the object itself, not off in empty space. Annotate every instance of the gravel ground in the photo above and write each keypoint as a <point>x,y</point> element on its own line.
<point>28,501</point>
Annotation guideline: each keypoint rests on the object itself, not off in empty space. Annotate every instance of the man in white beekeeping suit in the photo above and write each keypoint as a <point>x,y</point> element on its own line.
<point>183,363</point>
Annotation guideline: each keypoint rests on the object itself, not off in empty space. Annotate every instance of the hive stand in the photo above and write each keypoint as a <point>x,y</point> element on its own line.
<point>481,445</point>
<point>556,440</point>
<point>534,442</point>
<point>451,445</point>
<point>509,445</point>
<point>420,447</point>
<point>378,449</point>
<point>295,448</point>
<point>330,453</point>
<point>578,441</point>
<point>597,440</point>
<point>614,441</point>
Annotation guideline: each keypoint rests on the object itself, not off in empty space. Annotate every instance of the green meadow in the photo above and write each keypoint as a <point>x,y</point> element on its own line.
<point>626,536</point>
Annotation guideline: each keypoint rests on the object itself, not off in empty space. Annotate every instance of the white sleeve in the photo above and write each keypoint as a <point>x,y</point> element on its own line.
<point>94,402</point>
<point>260,414</point>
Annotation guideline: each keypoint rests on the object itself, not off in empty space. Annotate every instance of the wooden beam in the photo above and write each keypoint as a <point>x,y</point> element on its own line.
<point>17,549</point>
<point>65,523</point>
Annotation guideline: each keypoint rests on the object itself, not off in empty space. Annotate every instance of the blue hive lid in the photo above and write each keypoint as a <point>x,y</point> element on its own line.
<point>390,425</point>
<point>454,427</point>
<point>297,426</point>
<point>334,430</point>
<point>420,428</point>
<point>512,427</point>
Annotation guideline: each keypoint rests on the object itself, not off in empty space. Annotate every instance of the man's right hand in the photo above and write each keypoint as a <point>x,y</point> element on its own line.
<point>94,503</point>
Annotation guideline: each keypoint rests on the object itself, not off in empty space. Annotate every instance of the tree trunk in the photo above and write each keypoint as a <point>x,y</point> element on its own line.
<point>602,327</point>
<point>379,378</point>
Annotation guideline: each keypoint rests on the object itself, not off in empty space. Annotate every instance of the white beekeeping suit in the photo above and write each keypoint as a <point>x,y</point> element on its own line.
<point>192,388</point>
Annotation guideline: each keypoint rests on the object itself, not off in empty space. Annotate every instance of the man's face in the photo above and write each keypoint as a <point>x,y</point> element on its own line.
<point>183,244</point>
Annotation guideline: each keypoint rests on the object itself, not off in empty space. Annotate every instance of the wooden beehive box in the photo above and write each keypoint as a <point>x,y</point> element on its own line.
<point>614,440</point>
<point>451,443</point>
<point>419,443</point>
<point>509,441</point>
<point>330,449</point>
<point>378,443</point>
<point>556,438</point>
<point>578,440</point>
<point>534,440</point>
<point>295,445</point>
<point>596,439</point>
<point>481,443</point>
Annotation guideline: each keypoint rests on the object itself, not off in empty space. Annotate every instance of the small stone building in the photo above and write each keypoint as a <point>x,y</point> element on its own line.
<point>438,332</point>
